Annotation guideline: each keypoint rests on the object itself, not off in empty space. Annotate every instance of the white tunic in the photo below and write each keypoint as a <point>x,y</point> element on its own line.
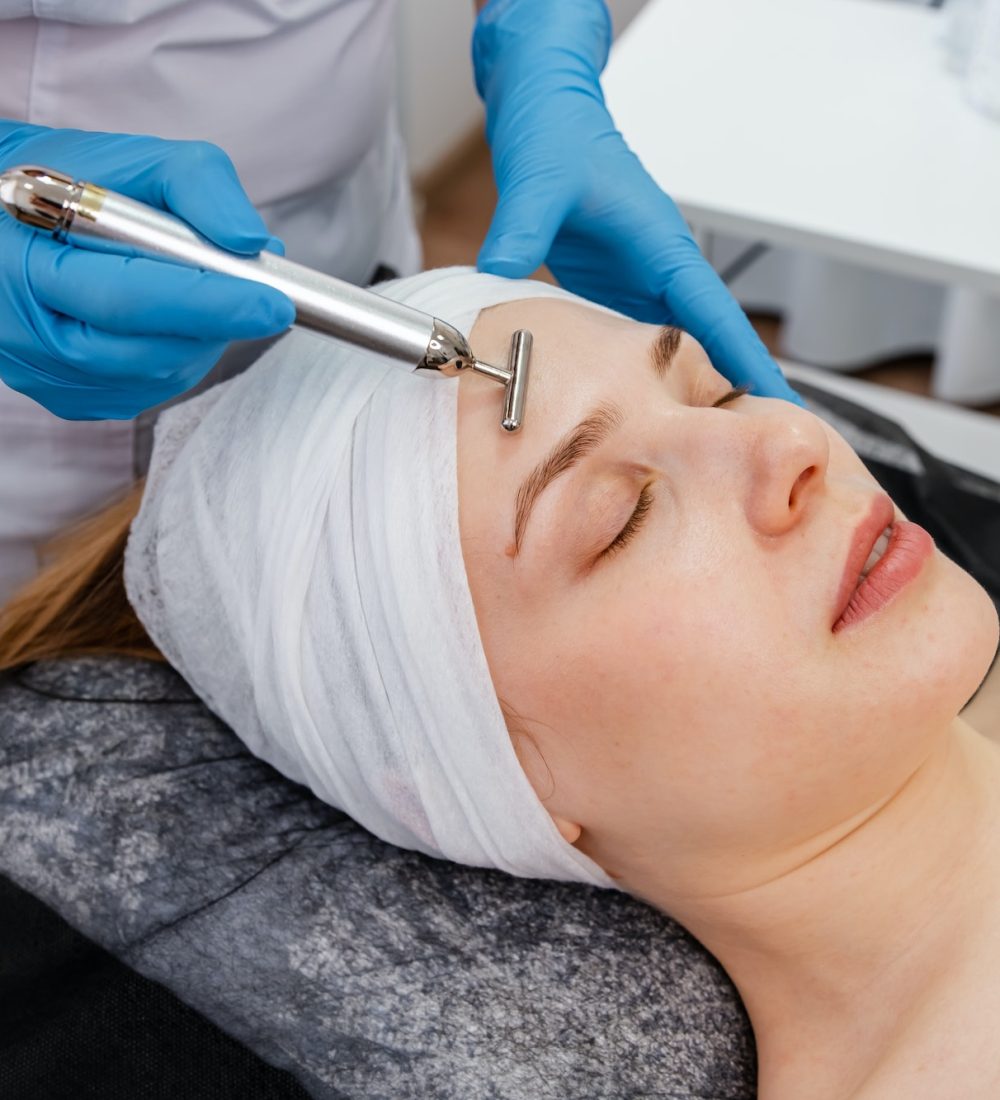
<point>301,95</point>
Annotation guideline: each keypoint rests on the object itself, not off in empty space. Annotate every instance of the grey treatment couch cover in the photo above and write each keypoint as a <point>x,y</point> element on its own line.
<point>365,970</point>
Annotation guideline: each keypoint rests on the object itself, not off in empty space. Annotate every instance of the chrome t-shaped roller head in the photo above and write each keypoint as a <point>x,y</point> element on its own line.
<point>450,354</point>
<point>514,378</point>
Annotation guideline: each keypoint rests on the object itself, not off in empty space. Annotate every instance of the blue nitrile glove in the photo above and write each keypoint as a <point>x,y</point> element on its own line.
<point>93,336</point>
<point>574,196</point>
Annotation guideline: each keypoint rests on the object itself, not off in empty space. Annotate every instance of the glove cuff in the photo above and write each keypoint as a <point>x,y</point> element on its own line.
<point>577,32</point>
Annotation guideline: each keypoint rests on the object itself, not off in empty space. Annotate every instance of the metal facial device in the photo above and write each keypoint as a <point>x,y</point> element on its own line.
<point>89,216</point>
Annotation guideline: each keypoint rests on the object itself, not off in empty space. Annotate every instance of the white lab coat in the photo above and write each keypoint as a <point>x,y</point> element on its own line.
<point>301,95</point>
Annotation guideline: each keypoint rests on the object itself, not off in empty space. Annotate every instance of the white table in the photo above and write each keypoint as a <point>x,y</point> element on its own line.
<point>824,124</point>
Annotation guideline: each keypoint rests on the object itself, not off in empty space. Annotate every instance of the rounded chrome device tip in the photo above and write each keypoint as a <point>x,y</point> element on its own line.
<point>39,197</point>
<point>447,350</point>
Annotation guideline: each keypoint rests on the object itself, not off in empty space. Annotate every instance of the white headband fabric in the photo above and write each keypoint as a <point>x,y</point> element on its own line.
<point>297,559</point>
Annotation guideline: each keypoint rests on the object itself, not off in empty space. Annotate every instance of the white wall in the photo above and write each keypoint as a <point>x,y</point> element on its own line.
<point>437,98</point>
<point>624,11</point>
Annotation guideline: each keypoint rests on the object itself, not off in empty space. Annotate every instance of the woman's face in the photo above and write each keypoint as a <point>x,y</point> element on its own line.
<point>659,621</point>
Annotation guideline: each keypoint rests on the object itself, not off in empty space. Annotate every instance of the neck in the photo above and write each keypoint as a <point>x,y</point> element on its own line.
<point>836,957</point>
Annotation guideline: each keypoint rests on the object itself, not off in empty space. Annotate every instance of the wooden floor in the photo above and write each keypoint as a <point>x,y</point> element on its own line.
<point>457,205</point>
<point>455,211</point>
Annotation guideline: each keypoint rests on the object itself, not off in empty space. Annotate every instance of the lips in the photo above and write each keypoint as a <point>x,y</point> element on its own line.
<point>909,548</point>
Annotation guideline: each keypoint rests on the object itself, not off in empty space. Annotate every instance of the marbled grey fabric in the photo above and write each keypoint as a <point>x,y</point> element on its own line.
<point>367,971</point>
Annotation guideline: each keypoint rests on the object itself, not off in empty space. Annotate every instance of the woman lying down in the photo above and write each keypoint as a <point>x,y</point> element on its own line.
<point>670,639</point>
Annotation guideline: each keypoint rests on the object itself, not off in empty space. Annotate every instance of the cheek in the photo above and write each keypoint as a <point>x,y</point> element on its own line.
<point>656,668</point>
<point>660,710</point>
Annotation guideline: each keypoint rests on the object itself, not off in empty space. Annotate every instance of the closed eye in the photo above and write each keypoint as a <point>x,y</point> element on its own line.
<point>737,391</point>
<point>633,523</point>
<point>645,501</point>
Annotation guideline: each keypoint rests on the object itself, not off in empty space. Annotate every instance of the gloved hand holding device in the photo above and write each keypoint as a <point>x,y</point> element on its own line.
<point>97,336</point>
<point>574,196</point>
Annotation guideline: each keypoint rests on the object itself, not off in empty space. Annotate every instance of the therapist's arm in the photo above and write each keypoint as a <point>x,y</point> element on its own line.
<point>574,196</point>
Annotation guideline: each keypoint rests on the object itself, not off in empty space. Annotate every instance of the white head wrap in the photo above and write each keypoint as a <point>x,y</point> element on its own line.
<point>297,559</point>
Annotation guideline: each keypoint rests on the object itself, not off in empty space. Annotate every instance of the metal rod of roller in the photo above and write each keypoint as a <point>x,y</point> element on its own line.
<point>517,387</point>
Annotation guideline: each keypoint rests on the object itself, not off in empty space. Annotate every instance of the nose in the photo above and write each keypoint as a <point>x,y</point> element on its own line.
<point>787,457</point>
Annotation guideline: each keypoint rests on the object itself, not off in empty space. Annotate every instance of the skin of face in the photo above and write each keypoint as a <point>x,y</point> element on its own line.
<point>682,700</point>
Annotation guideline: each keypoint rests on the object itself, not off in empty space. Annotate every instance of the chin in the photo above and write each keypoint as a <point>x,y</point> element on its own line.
<point>956,637</point>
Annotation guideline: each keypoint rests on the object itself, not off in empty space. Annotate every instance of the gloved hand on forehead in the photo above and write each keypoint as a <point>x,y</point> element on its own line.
<point>574,196</point>
<point>94,336</point>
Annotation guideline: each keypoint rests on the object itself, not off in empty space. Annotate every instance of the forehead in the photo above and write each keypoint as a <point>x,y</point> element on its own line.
<point>577,352</point>
<point>580,358</point>
<point>569,337</point>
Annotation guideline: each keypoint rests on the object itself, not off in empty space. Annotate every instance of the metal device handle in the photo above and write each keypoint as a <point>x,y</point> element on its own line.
<point>96,218</point>
<point>321,301</point>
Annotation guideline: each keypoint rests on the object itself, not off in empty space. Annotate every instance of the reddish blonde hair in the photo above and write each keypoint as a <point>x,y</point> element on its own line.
<point>76,606</point>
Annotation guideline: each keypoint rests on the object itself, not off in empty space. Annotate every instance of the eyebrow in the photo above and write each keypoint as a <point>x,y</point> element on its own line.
<point>586,437</point>
<point>665,346</point>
